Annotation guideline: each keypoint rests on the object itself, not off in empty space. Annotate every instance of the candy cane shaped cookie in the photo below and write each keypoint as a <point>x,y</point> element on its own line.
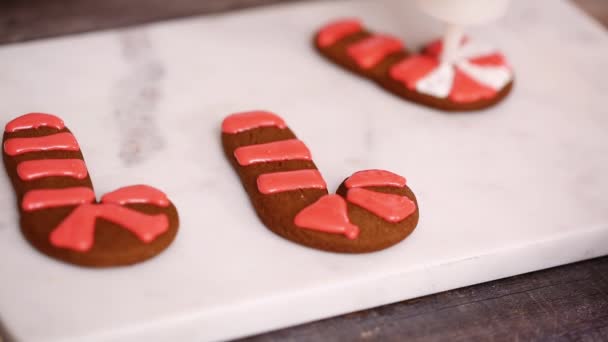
<point>60,215</point>
<point>371,210</point>
<point>477,78</point>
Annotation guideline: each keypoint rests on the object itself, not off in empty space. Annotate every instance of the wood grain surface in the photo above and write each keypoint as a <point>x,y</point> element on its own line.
<point>596,8</point>
<point>567,303</point>
<point>22,20</point>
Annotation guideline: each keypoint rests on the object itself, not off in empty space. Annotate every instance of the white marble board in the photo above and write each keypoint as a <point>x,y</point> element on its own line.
<point>514,189</point>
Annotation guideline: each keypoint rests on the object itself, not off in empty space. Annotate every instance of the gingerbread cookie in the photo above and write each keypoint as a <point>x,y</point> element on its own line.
<point>478,78</point>
<point>372,209</point>
<point>60,215</point>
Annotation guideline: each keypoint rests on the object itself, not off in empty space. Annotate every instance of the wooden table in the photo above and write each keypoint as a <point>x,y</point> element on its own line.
<point>563,303</point>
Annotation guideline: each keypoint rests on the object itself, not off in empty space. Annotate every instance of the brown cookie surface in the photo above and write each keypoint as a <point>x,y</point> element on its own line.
<point>60,215</point>
<point>291,198</point>
<point>478,80</point>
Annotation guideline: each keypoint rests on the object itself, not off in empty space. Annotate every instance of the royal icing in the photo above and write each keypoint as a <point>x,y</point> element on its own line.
<point>329,214</point>
<point>240,122</point>
<point>478,72</point>
<point>77,231</point>
<point>410,70</point>
<point>61,141</point>
<point>390,207</point>
<point>52,198</point>
<point>494,59</point>
<point>335,31</point>
<point>270,183</point>
<point>492,76</point>
<point>292,149</point>
<point>370,51</point>
<point>438,82</point>
<point>137,194</point>
<point>34,120</point>
<point>465,89</point>
<point>33,169</point>
<point>374,178</point>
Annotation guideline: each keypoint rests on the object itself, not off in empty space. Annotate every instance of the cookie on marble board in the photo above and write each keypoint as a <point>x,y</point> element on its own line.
<point>60,215</point>
<point>479,78</point>
<point>371,210</point>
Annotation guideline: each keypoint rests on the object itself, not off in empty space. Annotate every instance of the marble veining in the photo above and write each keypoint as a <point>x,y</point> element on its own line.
<point>137,96</point>
<point>514,189</point>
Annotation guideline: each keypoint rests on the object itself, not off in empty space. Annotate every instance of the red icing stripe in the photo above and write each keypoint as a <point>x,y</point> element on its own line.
<point>241,122</point>
<point>52,198</point>
<point>392,208</point>
<point>61,141</point>
<point>77,231</point>
<point>292,149</point>
<point>270,183</point>
<point>465,89</point>
<point>34,169</point>
<point>335,31</point>
<point>413,69</point>
<point>495,59</point>
<point>34,120</point>
<point>374,178</point>
<point>330,215</point>
<point>137,194</point>
<point>371,51</point>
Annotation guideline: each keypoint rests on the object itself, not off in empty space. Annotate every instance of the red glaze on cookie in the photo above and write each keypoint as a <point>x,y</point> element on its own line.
<point>64,202</point>
<point>240,122</point>
<point>34,120</point>
<point>135,194</point>
<point>374,178</point>
<point>413,69</point>
<point>494,59</point>
<point>391,208</point>
<point>426,77</point>
<point>55,142</point>
<point>270,183</point>
<point>465,89</point>
<point>330,215</point>
<point>77,231</point>
<point>291,198</point>
<point>52,198</point>
<point>40,168</point>
<point>371,51</point>
<point>292,149</point>
<point>332,33</point>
